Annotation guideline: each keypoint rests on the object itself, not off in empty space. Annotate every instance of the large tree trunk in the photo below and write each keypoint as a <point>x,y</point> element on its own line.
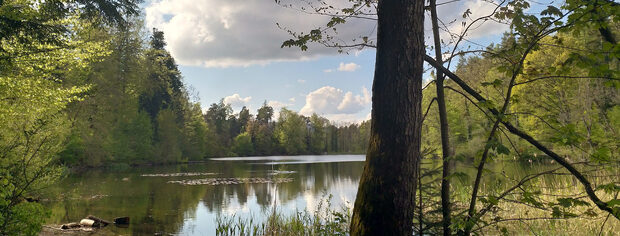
<point>386,195</point>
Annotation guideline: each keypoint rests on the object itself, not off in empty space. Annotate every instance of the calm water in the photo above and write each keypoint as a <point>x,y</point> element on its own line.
<point>156,206</point>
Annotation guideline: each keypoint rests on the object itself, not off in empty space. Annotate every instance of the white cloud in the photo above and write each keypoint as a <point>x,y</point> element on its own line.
<point>332,101</point>
<point>478,8</point>
<point>292,100</point>
<point>344,119</point>
<point>216,33</point>
<point>301,81</point>
<point>348,67</point>
<point>328,70</point>
<point>277,106</point>
<point>236,100</point>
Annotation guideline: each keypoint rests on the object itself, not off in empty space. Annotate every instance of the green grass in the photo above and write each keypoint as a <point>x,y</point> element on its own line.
<point>323,221</point>
<point>509,217</point>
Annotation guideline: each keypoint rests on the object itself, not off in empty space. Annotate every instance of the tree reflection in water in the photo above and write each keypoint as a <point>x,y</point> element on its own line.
<point>155,206</point>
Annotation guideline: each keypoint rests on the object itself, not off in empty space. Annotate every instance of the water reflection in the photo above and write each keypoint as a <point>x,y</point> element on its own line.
<point>156,206</point>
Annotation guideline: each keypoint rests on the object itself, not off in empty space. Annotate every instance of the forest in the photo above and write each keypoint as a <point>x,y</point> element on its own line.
<point>89,86</point>
<point>84,84</point>
<point>128,104</point>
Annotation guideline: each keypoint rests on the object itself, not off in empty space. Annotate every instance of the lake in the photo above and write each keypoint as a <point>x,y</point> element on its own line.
<point>186,199</point>
<point>158,207</point>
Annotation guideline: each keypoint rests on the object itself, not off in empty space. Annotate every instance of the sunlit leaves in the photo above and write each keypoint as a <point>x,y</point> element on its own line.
<point>567,135</point>
<point>335,21</point>
<point>302,39</point>
<point>495,83</point>
<point>551,11</point>
<point>531,198</point>
<point>609,188</point>
<point>33,126</point>
<point>35,23</point>
<point>602,154</point>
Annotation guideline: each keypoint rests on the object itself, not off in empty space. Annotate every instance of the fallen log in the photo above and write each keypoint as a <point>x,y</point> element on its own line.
<point>70,225</point>
<point>98,220</point>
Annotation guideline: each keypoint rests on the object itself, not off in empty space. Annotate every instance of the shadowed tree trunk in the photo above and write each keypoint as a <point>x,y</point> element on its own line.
<point>386,195</point>
<point>444,128</point>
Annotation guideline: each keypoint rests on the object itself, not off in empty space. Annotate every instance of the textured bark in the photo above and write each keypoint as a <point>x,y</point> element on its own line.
<point>386,196</point>
<point>443,126</point>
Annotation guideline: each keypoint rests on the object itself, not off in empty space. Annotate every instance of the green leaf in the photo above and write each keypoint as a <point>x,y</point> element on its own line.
<point>614,202</point>
<point>567,135</point>
<point>501,149</point>
<point>461,176</point>
<point>493,200</point>
<point>495,83</point>
<point>609,188</point>
<point>551,10</point>
<point>486,104</point>
<point>335,21</point>
<point>602,154</point>
<point>570,202</point>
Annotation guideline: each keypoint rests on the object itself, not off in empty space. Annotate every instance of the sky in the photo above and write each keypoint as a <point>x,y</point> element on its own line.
<point>231,50</point>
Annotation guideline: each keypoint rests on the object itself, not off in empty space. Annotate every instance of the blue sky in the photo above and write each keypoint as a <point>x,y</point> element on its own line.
<point>231,50</point>
<point>283,83</point>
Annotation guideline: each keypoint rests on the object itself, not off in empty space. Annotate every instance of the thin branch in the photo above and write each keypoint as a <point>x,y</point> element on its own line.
<point>564,77</point>
<point>428,108</point>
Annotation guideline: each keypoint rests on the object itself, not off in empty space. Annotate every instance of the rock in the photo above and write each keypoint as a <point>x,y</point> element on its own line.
<point>121,220</point>
<point>87,222</point>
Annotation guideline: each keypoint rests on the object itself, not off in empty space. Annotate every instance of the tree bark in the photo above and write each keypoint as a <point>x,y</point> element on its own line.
<point>386,196</point>
<point>443,126</point>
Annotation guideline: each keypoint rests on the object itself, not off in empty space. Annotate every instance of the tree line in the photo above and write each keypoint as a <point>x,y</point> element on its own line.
<point>244,134</point>
<point>136,110</point>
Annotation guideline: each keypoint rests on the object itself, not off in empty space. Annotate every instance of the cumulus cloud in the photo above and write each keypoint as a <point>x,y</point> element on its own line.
<point>277,106</point>
<point>331,101</point>
<point>216,33</point>
<point>349,67</point>
<point>301,81</point>
<point>328,70</point>
<point>236,100</point>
